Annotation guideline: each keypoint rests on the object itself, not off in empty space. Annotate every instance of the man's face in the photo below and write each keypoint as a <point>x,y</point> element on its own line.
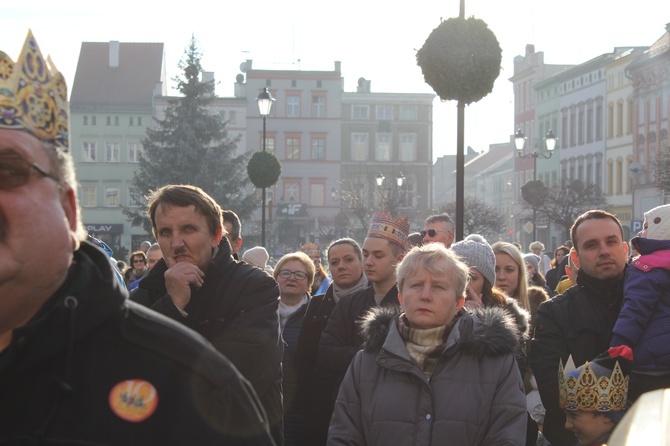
<point>153,256</point>
<point>600,250</point>
<point>438,231</point>
<point>378,259</point>
<point>35,218</point>
<point>183,236</point>
<point>237,244</point>
<point>587,426</point>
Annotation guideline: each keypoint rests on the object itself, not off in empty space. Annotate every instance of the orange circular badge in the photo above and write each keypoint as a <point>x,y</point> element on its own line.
<point>133,400</point>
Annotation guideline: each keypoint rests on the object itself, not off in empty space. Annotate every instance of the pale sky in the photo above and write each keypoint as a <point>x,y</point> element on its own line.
<point>373,39</point>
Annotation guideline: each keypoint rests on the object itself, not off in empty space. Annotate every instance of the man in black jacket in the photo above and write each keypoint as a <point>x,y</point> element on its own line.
<point>580,321</point>
<point>199,284</point>
<point>79,363</point>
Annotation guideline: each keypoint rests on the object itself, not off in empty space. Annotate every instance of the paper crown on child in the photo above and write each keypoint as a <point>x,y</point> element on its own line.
<point>310,249</point>
<point>597,386</point>
<point>33,95</point>
<point>394,230</point>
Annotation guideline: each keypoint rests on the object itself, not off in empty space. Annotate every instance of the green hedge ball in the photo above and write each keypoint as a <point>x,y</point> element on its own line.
<point>263,169</point>
<point>461,59</point>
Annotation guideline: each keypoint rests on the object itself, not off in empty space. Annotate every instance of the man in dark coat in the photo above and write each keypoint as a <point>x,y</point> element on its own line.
<point>199,284</point>
<point>79,363</point>
<point>383,249</point>
<point>580,321</point>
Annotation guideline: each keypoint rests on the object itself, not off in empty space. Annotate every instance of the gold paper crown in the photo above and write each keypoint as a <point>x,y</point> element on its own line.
<point>582,389</point>
<point>310,249</point>
<point>33,95</point>
<point>384,226</point>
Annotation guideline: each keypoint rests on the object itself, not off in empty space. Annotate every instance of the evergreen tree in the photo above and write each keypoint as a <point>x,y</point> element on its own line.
<point>190,146</point>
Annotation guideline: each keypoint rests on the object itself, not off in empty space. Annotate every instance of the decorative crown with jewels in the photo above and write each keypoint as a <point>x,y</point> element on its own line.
<point>394,230</point>
<point>33,95</point>
<point>597,386</point>
<point>310,249</point>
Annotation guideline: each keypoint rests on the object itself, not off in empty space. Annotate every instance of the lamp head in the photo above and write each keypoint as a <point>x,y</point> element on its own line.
<point>265,101</point>
<point>519,140</point>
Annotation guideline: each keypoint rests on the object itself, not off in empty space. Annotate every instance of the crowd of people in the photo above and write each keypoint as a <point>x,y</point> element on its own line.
<point>405,339</point>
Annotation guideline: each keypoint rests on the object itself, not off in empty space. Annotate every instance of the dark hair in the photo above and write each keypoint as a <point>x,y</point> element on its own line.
<point>232,218</point>
<point>560,248</point>
<point>492,297</point>
<point>346,241</point>
<point>137,254</point>
<point>589,215</point>
<point>183,196</point>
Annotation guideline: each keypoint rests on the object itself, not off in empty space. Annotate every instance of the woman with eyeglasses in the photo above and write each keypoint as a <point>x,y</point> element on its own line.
<point>137,268</point>
<point>345,261</point>
<point>295,275</point>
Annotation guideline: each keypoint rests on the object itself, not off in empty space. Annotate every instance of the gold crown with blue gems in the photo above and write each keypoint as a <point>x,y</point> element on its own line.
<point>597,386</point>
<point>383,225</point>
<point>33,95</point>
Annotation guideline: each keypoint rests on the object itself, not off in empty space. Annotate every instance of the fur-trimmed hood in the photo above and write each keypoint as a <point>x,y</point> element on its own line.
<point>488,332</point>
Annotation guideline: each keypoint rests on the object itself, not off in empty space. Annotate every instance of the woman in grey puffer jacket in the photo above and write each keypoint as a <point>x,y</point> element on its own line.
<point>433,373</point>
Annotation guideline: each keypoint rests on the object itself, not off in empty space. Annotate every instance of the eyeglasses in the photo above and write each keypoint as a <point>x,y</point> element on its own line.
<point>138,261</point>
<point>16,172</point>
<point>285,274</point>
<point>432,232</point>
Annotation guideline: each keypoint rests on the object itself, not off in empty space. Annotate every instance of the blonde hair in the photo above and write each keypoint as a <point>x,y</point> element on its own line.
<point>302,258</point>
<point>430,257</point>
<point>521,294</point>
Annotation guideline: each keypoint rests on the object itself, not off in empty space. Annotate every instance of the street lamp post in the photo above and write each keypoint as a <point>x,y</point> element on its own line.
<point>520,142</point>
<point>265,101</point>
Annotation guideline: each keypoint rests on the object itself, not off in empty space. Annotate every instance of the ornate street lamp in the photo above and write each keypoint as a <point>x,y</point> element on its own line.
<point>265,101</point>
<point>520,142</point>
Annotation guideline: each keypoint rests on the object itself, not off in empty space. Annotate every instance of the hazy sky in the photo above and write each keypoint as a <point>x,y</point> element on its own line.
<point>373,39</point>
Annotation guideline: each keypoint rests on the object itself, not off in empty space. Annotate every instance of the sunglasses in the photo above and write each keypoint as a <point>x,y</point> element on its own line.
<point>138,261</point>
<point>432,232</point>
<point>16,172</point>
<point>285,274</point>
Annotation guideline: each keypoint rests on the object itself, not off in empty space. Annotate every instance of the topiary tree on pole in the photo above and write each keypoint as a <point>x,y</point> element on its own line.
<point>460,60</point>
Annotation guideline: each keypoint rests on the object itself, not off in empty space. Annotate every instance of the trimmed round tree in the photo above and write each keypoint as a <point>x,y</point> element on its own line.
<point>461,59</point>
<point>263,169</point>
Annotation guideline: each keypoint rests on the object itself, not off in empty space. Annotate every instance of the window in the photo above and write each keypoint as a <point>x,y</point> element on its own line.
<point>292,192</point>
<point>293,106</point>
<point>359,146</point>
<point>116,120</point>
<point>573,126</point>
<point>109,120</point>
<point>232,117</point>
<point>85,120</point>
<point>589,123</point>
<point>112,197</point>
<point>131,121</point>
<point>408,113</point>
<point>318,148</point>
<point>88,196</point>
<point>629,116</point>
<point>134,151</point>
<point>610,120</point>
<point>360,112</point>
<point>619,118</point>
<point>610,177</point>
<point>599,119</point>
<point>408,147</point>
<point>619,176</point>
<point>318,106</point>
<point>292,148</point>
<point>270,143</point>
<point>112,152</point>
<point>383,147</point>
<point>93,120</point>
<point>317,194</point>
<point>580,125</point>
<point>222,115</point>
<point>384,113</point>
<point>139,121</point>
<point>89,152</point>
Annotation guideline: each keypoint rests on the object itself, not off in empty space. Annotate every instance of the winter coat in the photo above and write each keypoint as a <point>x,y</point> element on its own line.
<point>293,405</point>
<point>644,320</point>
<point>236,310</point>
<point>317,390</point>
<point>579,323</point>
<point>473,397</point>
<point>76,374</point>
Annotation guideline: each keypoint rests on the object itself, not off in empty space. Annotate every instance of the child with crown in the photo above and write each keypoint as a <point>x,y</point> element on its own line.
<point>594,396</point>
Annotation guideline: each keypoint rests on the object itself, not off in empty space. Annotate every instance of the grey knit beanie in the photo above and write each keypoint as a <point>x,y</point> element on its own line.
<point>477,253</point>
<point>534,259</point>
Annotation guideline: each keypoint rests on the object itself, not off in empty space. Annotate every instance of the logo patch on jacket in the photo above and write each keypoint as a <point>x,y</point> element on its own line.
<point>133,400</point>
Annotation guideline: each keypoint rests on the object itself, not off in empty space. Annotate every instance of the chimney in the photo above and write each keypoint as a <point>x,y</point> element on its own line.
<point>114,54</point>
<point>338,66</point>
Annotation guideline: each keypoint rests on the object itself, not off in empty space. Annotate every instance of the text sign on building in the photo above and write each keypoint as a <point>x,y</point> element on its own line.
<point>104,228</point>
<point>635,227</point>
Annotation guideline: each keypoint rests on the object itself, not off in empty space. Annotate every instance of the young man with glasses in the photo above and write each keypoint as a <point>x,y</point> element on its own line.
<point>79,363</point>
<point>439,229</point>
<point>199,284</point>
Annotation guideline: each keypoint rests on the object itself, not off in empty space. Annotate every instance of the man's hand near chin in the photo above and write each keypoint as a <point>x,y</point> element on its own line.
<point>178,280</point>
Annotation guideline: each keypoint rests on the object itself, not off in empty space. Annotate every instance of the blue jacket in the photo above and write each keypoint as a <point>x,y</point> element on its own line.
<point>644,320</point>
